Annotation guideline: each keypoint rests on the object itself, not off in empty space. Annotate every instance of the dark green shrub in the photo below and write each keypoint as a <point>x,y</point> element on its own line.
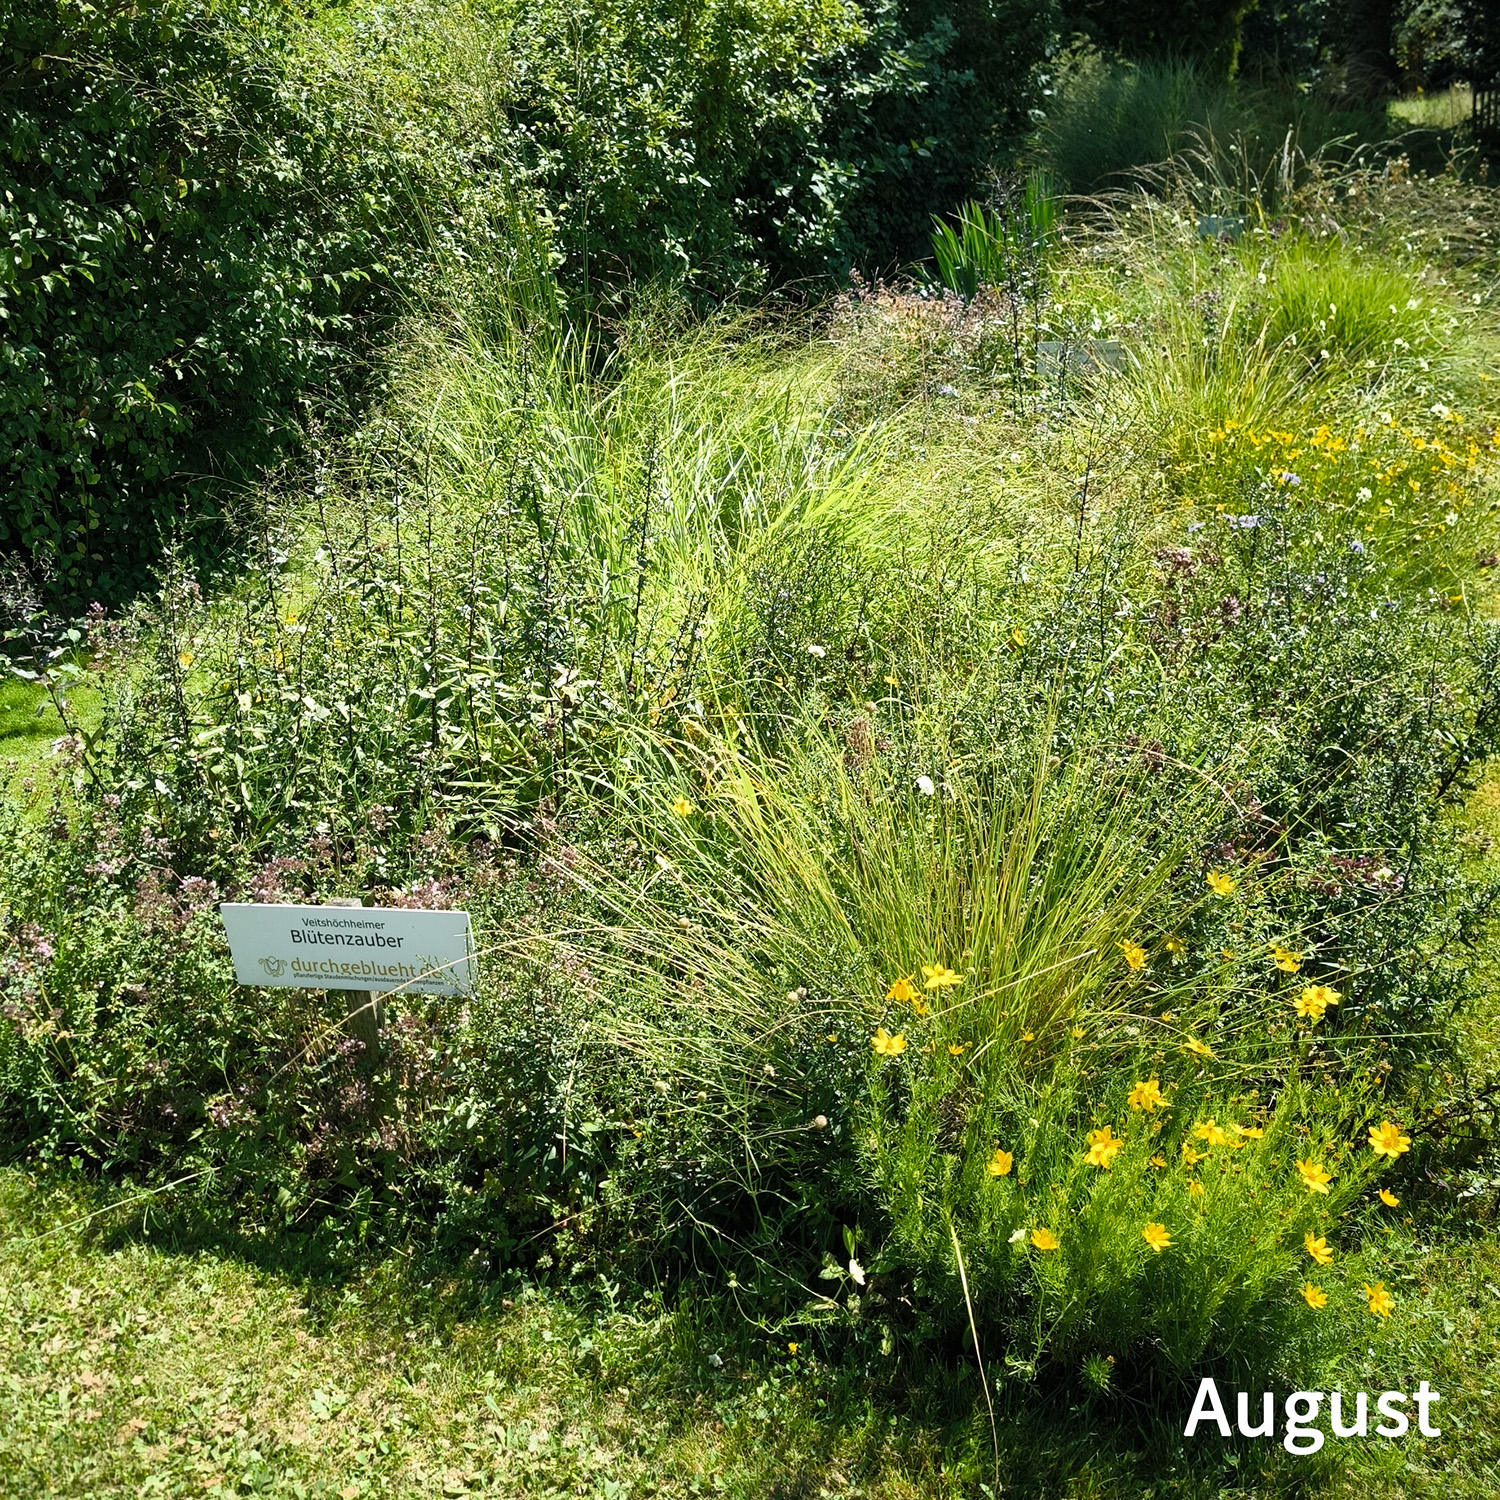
<point>1205,31</point>
<point>728,144</point>
<point>197,235</point>
<point>1286,38</point>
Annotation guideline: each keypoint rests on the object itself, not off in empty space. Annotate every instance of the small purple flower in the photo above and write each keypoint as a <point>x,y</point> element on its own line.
<point>1243,523</point>
<point>1287,477</point>
<point>1356,545</point>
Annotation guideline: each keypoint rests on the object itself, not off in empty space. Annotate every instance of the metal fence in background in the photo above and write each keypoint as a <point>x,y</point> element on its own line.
<point>1487,114</point>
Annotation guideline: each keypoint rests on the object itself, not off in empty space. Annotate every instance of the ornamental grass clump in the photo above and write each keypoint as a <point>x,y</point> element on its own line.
<point>987,997</point>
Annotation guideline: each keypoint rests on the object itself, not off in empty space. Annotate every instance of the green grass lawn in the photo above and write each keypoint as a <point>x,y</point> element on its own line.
<point>29,726</point>
<point>135,1365</point>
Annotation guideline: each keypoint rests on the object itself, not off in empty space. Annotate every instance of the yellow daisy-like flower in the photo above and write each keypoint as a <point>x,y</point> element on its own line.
<point>886,1045</point>
<point>956,1049</point>
<point>1249,1132</point>
<point>1197,1048</point>
<point>1388,1198</point>
<point>1104,1146</point>
<point>1317,1247</point>
<point>1135,955</point>
<point>1147,1096</point>
<point>1214,1134</point>
<point>1287,961</point>
<point>1314,1296</point>
<point>1381,1303</point>
<point>1174,945</point>
<point>1158,1161</point>
<point>185,658</point>
<point>1220,883</point>
<point>791,1348</point>
<point>1315,1176</point>
<point>1314,1000</point>
<point>1000,1163</point>
<point>1386,1140</point>
<point>682,807</point>
<point>902,989</point>
<point>1044,1239</point>
<point>940,978</point>
<point>1028,1036</point>
<point>1195,1188</point>
<point>1157,1237</point>
<point>919,1007</point>
<point>1191,1157</point>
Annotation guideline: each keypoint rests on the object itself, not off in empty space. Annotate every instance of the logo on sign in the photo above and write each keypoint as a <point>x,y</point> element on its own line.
<point>275,967</point>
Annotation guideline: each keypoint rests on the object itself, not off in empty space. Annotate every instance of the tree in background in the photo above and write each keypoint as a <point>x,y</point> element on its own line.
<point>747,142</point>
<point>1374,49</point>
<point>1206,32</point>
<point>183,251</point>
<point>1286,39</point>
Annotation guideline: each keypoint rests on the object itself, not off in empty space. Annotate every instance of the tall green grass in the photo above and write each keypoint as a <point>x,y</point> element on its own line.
<point>1110,119</point>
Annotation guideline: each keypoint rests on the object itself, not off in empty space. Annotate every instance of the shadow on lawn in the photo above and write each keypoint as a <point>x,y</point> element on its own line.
<point>840,1415</point>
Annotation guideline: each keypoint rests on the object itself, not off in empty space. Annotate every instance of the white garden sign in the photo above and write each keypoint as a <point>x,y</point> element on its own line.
<point>351,947</point>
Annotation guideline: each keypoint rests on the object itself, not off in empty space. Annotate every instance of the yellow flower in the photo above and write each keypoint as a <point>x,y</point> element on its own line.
<point>1219,883</point>
<point>1315,1176</point>
<point>1214,1134</point>
<point>1157,1237</point>
<point>832,1037</point>
<point>1135,955</point>
<point>939,978</point>
<point>902,989</point>
<point>1317,1247</point>
<point>1158,1161</point>
<point>1380,1299</point>
<point>1000,1163</point>
<point>887,1045</point>
<point>1386,1140</point>
<point>1249,1132</point>
<point>1388,1198</point>
<point>1314,1000</point>
<point>1044,1239</point>
<point>1018,637</point>
<point>1314,1296</point>
<point>682,807</point>
<point>185,658</point>
<point>1028,1036</point>
<point>1286,960</point>
<point>1195,1188</point>
<point>920,1007</point>
<point>1191,1157</point>
<point>956,1049</point>
<point>1200,1049</point>
<point>1147,1096</point>
<point>1174,944</point>
<point>1104,1146</point>
<point>791,1348</point>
